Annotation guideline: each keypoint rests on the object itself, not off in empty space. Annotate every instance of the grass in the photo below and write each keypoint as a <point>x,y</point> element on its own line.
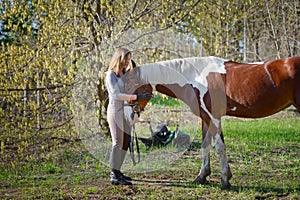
<point>268,151</point>
<point>166,101</point>
<point>264,156</point>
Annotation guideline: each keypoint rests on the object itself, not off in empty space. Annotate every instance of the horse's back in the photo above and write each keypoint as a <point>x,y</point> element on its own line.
<point>289,65</point>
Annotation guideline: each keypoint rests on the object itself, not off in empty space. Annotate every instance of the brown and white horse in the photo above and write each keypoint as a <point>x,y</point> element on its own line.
<point>213,87</point>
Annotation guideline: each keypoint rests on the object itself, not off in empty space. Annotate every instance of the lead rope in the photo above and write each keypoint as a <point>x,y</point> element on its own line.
<point>134,137</point>
<point>137,144</point>
<point>131,145</point>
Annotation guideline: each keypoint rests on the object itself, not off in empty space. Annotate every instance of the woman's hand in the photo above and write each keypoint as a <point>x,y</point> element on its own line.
<point>133,97</point>
<point>135,119</point>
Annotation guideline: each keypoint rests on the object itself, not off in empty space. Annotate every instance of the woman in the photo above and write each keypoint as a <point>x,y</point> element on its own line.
<point>115,114</point>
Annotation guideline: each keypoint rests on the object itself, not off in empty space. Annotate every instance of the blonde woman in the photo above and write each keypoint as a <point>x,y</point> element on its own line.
<point>115,114</point>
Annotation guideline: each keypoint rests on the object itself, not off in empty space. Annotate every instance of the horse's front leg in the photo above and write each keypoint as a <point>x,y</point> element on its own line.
<point>225,169</point>
<point>206,147</point>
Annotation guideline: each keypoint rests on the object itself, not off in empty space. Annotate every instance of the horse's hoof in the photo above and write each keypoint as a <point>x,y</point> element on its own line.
<point>200,180</point>
<point>225,185</point>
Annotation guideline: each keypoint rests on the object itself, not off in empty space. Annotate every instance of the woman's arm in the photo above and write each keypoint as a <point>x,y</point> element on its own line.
<point>113,88</point>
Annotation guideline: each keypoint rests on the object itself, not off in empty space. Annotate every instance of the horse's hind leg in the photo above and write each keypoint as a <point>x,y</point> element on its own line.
<point>206,147</point>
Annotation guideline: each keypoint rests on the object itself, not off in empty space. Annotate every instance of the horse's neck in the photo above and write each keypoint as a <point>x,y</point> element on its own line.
<point>183,93</point>
<point>186,93</point>
<point>182,71</point>
<point>161,73</point>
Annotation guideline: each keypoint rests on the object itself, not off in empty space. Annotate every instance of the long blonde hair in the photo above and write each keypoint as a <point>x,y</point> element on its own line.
<point>118,60</point>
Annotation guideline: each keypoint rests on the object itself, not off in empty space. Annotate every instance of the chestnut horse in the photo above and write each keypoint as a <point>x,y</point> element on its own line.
<point>213,87</point>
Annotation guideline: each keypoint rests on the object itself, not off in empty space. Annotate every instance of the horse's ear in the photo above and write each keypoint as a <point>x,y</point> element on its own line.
<point>133,64</point>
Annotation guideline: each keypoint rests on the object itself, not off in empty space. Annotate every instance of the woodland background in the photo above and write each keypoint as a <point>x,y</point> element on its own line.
<point>44,45</point>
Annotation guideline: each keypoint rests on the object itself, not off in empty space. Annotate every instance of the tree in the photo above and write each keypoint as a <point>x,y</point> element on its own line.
<point>38,68</point>
<point>35,72</point>
<point>243,30</point>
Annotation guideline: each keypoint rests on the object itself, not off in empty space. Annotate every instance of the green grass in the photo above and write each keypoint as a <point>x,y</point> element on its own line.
<point>163,100</point>
<point>265,134</point>
<point>268,151</point>
<point>264,156</point>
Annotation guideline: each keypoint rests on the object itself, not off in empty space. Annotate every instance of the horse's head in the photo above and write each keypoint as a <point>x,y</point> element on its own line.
<point>134,85</point>
<point>144,94</point>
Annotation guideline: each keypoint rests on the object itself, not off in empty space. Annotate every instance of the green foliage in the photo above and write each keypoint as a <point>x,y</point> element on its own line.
<point>17,21</point>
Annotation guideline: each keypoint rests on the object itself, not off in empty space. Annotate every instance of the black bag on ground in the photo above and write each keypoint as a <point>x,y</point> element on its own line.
<point>160,137</point>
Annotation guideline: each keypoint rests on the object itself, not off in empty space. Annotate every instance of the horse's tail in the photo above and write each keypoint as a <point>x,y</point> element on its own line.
<point>297,66</point>
<point>296,62</point>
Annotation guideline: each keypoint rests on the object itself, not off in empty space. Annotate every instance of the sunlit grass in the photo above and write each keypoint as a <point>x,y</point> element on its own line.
<point>163,100</point>
<point>263,133</point>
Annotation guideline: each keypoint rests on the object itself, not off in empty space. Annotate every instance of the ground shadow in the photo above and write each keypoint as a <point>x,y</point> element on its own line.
<point>194,146</point>
<point>265,189</point>
<point>168,183</point>
<point>280,192</point>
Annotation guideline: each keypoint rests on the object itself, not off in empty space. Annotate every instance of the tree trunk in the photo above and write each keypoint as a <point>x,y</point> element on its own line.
<point>102,105</point>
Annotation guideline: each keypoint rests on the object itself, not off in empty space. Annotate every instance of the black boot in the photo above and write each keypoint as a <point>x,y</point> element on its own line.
<point>117,179</point>
<point>127,178</point>
<point>116,160</point>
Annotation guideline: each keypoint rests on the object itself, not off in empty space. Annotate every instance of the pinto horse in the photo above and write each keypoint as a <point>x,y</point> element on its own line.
<point>213,87</point>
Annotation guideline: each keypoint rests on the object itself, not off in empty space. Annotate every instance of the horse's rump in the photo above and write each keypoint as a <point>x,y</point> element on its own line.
<point>259,90</point>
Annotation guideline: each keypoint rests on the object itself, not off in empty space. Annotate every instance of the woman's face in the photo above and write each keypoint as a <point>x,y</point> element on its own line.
<point>126,63</point>
<point>127,60</point>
